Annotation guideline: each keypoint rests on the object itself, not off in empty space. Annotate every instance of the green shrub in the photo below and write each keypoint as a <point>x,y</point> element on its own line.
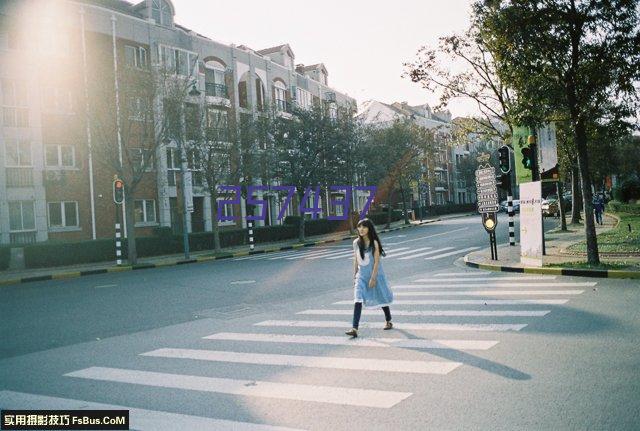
<point>618,207</point>
<point>627,190</point>
<point>5,257</point>
<point>68,253</point>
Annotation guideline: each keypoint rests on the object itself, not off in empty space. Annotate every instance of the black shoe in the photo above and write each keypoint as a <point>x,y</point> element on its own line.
<point>352,332</point>
<point>389,325</point>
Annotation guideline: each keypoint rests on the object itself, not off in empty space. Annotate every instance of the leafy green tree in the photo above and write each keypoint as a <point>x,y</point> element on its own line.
<point>575,56</point>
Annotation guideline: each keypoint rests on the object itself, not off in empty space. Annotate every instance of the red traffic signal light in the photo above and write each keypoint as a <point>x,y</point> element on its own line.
<point>118,191</point>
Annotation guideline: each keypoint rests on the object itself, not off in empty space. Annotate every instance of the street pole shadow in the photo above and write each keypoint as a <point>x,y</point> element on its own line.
<point>471,360</point>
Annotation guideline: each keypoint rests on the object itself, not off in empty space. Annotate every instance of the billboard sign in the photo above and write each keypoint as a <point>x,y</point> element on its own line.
<point>548,153</point>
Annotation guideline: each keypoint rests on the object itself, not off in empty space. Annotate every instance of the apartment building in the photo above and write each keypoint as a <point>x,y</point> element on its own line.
<point>436,185</point>
<point>61,62</point>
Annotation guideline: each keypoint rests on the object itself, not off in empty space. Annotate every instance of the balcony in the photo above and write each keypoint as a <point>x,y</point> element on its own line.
<point>19,177</point>
<point>217,94</point>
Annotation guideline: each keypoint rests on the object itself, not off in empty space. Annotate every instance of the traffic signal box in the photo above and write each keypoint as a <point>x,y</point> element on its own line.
<point>118,191</point>
<point>523,142</point>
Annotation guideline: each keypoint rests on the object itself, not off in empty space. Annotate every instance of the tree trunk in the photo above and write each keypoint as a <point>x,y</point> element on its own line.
<point>576,199</point>
<point>216,226</point>
<point>563,218</point>
<point>587,197</point>
<point>132,252</point>
<point>404,205</point>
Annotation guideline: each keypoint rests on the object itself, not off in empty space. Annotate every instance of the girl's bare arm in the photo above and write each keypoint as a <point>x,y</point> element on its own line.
<point>355,262</point>
<point>376,259</point>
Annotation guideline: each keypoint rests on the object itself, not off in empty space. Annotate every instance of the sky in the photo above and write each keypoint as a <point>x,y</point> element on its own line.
<point>363,43</point>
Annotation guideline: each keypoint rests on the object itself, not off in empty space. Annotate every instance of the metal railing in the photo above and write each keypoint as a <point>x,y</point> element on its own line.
<point>283,105</point>
<point>22,237</point>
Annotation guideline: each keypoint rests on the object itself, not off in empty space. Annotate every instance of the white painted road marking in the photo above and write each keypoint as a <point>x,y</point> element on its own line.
<point>461,285</point>
<point>420,326</point>
<point>139,419</point>
<point>466,313</point>
<point>471,302</point>
<point>417,343</point>
<point>243,282</point>
<point>428,236</point>
<point>451,253</point>
<point>253,388</point>
<point>464,280</point>
<point>490,292</point>
<point>439,250</point>
<point>409,251</point>
<point>332,362</point>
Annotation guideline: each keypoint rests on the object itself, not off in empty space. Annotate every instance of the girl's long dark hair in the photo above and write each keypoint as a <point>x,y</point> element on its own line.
<point>373,236</point>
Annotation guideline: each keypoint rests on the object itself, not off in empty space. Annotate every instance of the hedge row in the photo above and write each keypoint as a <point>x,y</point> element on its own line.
<point>5,257</point>
<point>617,206</point>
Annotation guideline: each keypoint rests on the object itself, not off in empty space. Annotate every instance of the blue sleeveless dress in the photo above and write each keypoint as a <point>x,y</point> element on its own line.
<point>381,294</point>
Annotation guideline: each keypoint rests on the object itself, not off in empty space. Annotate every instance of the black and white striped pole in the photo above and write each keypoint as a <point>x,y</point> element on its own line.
<point>118,199</point>
<point>512,229</point>
<point>250,225</point>
<point>505,183</point>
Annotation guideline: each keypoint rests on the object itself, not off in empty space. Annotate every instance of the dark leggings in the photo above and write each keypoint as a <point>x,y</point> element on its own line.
<point>357,311</point>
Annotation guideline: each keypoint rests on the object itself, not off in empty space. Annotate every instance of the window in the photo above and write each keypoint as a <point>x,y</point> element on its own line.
<point>192,121</point>
<point>57,100</point>
<point>214,79</point>
<point>195,167</point>
<point>333,110</point>
<point>304,98</point>
<point>138,108</point>
<point>225,210</point>
<point>178,61</point>
<point>144,211</point>
<point>161,12</point>
<point>280,93</point>
<point>141,158</point>
<point>135,56</point>
<point>18,153</point>
<point>60,156</point>
<point>243,96</point>
<point>21,216</point>
<point>63,214</point>
<point>173,165</point>
<point>217,124</point>
<point>15,111</point>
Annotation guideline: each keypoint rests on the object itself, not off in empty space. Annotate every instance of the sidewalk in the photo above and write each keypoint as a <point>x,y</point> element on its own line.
<point>39,274</point>
<point>557,260</point>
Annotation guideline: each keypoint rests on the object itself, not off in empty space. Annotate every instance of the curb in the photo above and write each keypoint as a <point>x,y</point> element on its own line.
<point>597,273</point>
<point>76,274</point>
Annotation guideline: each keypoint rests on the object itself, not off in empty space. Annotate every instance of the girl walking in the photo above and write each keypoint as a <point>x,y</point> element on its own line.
<point>370,283</point>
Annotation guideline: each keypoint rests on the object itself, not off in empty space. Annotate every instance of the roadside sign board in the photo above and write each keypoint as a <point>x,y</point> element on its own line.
<point>487,190</point>
<point>548,153</point>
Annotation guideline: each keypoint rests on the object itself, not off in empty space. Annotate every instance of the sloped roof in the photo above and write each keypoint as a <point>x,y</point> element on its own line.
<point>276,49</point>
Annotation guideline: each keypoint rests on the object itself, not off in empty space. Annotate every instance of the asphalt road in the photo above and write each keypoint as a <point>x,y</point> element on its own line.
<point>470,349</point>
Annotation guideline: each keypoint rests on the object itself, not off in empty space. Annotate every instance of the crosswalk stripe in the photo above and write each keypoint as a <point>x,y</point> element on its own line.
<point>439,250</point>
<point>490,292</point>
<point>332,362</point>
<point>311,253</point>
<point>337,255</point>
<point>357,342</point>
<point>420,326</point>
<point>522,278</point>
<point>291,253</point>
<point>468,313</point>
<point>471,302</point>
<point>265,255</point>
<point>391,254</point>
<point>459,274</point>
<point>139,419</point>
<point>254,388</point>
<point>496,285</point>
<point>451,253</point>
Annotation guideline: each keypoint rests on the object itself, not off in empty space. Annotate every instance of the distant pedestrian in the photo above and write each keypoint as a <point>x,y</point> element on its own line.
<point>370,283</point>
<point>598,208</point>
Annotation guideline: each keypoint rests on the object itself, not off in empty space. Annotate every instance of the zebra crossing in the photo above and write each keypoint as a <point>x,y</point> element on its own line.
<point>420,325</point>
<point>346,252</point>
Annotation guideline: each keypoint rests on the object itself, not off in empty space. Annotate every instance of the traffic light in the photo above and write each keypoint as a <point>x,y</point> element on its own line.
<point>118,191</point>
<point>504,182</point>
<point>527,157</point>
<point>505,161</point>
